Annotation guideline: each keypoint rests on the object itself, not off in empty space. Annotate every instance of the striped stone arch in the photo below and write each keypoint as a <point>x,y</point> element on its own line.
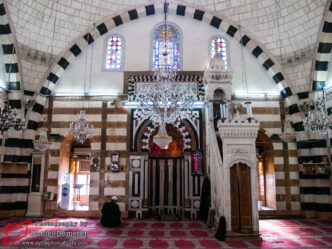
<point>10,58</point>
<point>13,144</point>
<point>319,75</point>
<point>264,58</point>
<point>313,148</point>
<point>14,188</point>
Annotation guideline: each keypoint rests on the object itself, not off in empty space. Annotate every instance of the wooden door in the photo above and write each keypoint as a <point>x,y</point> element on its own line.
<point>235,205</point>
<point>241,215</point>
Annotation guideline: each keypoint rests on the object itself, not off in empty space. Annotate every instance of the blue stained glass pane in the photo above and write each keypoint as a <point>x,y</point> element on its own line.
<point>221,48</point>
<point>172,46</point>
<point>113,51</point>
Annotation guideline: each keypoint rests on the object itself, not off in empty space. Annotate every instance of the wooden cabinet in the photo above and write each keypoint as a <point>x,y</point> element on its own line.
<point>316,168</point>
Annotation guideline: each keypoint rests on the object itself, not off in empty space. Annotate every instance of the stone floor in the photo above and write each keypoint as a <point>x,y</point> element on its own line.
<point>151,233</point>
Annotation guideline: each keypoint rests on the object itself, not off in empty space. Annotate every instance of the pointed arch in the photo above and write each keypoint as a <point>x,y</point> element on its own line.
<point>258,51</point>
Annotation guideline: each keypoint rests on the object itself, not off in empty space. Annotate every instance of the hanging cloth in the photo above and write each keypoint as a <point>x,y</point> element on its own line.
<point>205,199</point>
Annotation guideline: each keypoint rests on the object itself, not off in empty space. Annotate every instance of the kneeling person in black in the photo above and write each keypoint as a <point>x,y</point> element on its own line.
<point>111,214</point>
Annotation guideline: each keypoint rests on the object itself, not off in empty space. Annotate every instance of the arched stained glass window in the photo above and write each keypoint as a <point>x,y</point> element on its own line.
<point>114,53</point>
<point>221,48</point>
<point>172,46</point>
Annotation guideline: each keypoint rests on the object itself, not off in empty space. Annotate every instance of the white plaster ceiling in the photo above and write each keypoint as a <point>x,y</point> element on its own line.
<point>295,22</point>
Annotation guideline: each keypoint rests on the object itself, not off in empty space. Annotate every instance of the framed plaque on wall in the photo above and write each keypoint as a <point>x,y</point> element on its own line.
<point>197,163</point>
<point>115,158</point>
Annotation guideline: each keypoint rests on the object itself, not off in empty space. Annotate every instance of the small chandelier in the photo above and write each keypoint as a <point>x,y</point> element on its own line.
<point>316,119</point>
<point>162,139</point>
<point>9,120</point>
<point>42,144</point>
<point>81,129</point>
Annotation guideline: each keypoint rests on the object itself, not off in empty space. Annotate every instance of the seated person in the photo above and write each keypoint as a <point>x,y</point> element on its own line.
<point>111,214</point>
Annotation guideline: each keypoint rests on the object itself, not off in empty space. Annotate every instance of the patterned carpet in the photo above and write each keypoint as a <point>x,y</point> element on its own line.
<point>151,233</point>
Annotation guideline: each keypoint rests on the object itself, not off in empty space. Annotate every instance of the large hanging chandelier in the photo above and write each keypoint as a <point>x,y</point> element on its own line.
<point>316,119</point>
<point>81,129</point>
<point>9,120</point>
<point>42,144</point>
<point>165,100</point>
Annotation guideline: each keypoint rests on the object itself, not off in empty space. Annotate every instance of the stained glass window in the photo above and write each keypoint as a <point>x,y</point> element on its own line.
<point>172,46</point>
<point>114,51</point>
<point>221,48</point>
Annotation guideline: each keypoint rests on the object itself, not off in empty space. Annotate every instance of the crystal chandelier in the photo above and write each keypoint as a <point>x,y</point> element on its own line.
<point>42,144</point>
<point>81,129</point>
<point>9,120</point>
<point>165,100</point>
<point>316,119</point>
<point>162,139</point>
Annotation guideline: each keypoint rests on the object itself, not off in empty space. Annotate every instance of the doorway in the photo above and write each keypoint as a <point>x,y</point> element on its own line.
<point>80,169</point>
<point>266,181</point>
<point>74,175</point>
<point>241,205</point>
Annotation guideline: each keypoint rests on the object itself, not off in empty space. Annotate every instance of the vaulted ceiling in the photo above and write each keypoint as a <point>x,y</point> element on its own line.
<point>295,23</point>
<point>287,28</point>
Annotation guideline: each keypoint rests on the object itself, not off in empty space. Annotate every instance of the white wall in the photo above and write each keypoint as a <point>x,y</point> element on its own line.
<point>3,83</point>
<point>137,33</point>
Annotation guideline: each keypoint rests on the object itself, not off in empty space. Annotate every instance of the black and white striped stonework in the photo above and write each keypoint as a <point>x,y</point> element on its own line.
<point>13,143</point>
<point>13,187</point>
<point>315,189</point>
<point>319,75</point>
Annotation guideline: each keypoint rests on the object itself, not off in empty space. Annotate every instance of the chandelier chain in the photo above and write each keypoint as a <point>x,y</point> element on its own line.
<point>166,100</point>
<point>81,129</point>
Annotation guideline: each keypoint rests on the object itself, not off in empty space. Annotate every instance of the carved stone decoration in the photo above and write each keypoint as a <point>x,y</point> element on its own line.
<point>136,163</point>
<point>197,204</point>
<point>137,185</point>
<point>217,76</point>
<point>134,204</point>
<point>239,146</point>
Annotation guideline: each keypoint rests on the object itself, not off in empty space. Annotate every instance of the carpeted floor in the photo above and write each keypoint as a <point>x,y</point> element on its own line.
<point>151,233</point>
